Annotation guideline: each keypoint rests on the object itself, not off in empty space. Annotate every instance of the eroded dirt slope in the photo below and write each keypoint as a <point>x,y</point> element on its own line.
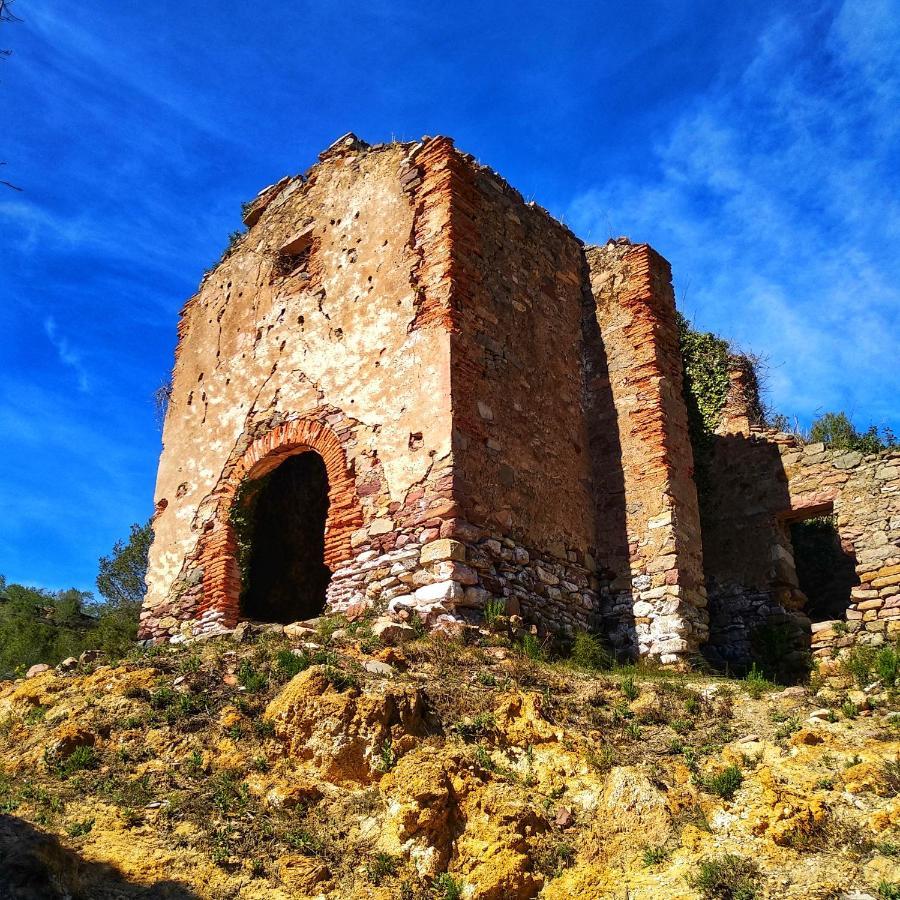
<point>330,765</point>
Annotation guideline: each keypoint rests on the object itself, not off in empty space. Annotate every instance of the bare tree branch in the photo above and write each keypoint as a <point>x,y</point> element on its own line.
<point>7,15</point>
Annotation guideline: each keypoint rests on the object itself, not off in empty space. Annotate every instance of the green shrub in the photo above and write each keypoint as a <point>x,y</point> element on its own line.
<point>890,774</point>
<point>382,866</point>
<point>289,664</point>
<point>653,856</point>
<point>386,759</point>
<point>756,684</point>
<point>448,887</point>
<point>726,877</point>
<point>588,652</point>
<point>552,859</point>
<point>725,783</point>
<point>531,647</point>
<point>836,430</point>
<point>705,362</point>
<point>251,680</point>
<point>39,626</point>
<point>80,759</point>
<point>887,665</point>
<point>629,689</point>
<point>889,890</point>
<point>859,662</point>
<point>80,829</point>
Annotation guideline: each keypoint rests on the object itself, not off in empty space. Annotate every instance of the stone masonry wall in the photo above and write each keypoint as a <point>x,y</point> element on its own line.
<point>314,321</point>
<point>761,481</point>
<point>499,411</point>
<point>645,494</point>
<point>521,459</point>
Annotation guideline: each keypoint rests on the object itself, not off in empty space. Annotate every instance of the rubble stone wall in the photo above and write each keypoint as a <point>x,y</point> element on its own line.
<point>760,482</point>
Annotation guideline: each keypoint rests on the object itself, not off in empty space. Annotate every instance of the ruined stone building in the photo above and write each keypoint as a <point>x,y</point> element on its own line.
<point>406,387</point>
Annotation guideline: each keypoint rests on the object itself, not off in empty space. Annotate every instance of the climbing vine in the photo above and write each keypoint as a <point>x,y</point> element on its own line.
<point>705,360</point>
<point>242,518</point>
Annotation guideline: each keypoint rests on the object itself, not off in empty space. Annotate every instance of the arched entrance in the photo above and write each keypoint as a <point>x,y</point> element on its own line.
<point>228,543</point>
<point>281,541</point>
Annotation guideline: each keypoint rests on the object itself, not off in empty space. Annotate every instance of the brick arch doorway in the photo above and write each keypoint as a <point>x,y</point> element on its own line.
<point>281,541</point>
<point>224,578</point>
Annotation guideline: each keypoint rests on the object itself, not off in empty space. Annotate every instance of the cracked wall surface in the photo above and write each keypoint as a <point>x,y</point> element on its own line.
<point>404,312</point>
<point>310,316</point>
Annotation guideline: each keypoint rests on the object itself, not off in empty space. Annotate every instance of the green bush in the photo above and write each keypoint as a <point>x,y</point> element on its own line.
<point>382,866</point>
<point>726,877</point>
<point>40,626</point>
<point>448,887</point>
<point>494,609</point>
<point>866,664</point>
<point>887,665</point>
<point>836,430</point>
<point>653,856</point>
<point>629,688</point>
<point>725,783</point>
<point>756,684</point>
<point>588,652</point>
<point>531,647</point>
<point>705,362</point>
<point>290,664</point>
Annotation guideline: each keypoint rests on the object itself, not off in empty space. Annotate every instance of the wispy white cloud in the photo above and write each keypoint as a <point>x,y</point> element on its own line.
<point>68,356</point>
<point>777,200</point>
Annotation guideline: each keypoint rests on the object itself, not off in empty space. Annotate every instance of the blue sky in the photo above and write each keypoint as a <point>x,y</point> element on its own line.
<point>754,145</point>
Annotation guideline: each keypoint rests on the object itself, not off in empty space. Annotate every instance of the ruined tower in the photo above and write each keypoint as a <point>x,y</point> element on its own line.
<point>406,387</point>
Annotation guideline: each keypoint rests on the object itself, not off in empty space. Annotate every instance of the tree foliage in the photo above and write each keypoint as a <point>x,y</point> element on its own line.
<point>40,626</point>
<point>705,363</point>
<point>839,432</point>
<point>122,573</point>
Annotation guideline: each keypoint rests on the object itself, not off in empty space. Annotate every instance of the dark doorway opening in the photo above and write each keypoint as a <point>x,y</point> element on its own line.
<point>283,542</point>
<point>826,572</point>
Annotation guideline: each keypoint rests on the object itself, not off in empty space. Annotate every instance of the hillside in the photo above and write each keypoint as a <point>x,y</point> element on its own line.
<point>325,763</point>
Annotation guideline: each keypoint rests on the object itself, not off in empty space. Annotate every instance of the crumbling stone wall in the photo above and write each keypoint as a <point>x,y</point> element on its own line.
<point>500,414</point>
<point>520,447</point>
<point>760,482</point>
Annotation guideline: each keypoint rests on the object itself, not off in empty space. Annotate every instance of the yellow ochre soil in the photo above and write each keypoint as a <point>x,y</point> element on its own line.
<point>332,766</point>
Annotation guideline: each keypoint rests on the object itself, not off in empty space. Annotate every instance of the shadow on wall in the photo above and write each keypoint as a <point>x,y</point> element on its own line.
<point>614,559</point>
<point>758,610</point>
<point>826,568</point>
<point>35,866</point>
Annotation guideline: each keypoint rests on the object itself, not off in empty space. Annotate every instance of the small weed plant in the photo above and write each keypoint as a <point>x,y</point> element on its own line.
<point>723,784</point>
<point>588,652</point>
<point>726,877</point>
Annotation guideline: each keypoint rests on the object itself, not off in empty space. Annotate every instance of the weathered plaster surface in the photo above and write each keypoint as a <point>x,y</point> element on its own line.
<point>501,417</point>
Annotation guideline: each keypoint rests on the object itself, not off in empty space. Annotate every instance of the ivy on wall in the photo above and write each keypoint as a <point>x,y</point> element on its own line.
<point>705,360</point>
<point>242,518</point>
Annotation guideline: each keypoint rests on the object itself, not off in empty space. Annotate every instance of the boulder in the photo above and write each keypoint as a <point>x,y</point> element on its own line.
<point>37,669</point>
<point>390,632</point>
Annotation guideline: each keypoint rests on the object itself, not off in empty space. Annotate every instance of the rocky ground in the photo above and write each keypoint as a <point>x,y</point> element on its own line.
<point>327,763</point>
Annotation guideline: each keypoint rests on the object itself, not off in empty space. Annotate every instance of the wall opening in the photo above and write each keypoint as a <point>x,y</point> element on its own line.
<point>826,570</point>
<point>280,520</point>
